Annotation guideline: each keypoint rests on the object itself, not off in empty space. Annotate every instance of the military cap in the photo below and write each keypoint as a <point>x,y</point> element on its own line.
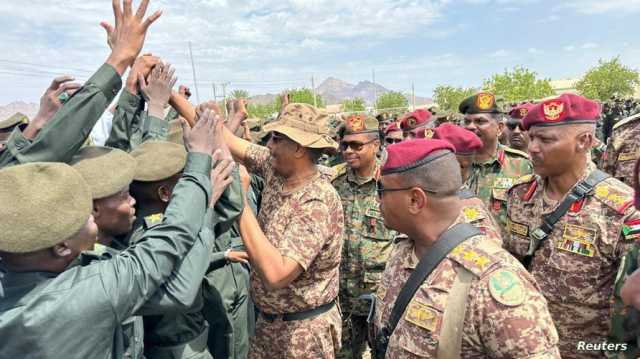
<point>17,119</point>
<point>393,127</point>
<point>158,160</point>
<point>464,141</point>
<point>483,102</point>
<point>407,155</point>
<point>359,123</point>
<point>175,134</point>
<point>567,109</point>
<point>43,204</point>
<point>521,111</point>
<point>305,125</point>
<point>106,170</point>
<point>415,119</point>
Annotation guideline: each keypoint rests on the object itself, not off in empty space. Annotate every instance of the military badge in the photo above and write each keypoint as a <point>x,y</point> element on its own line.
<point>553,110</point>
<point>485,101</point>
<point>422,315</point>
<point>517,228</point>
<point>153,220</point>
<point>628,156</point>
<point>356,123</point>
<point>503,182</point>
<point>578,240</point>
<point>412,122</point>
<point>631,229</point>
<point>507,288</point>
<point>428,133</point>
<point>523,112</point>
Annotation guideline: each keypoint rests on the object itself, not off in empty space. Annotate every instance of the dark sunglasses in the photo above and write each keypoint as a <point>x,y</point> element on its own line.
<point>277,137</point>
<point>392,141</point>
<point>513,124</point>
<point>355,145</point>
<point>381,190</point>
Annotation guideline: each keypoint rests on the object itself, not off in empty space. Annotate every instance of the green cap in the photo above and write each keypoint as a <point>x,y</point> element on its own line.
<point>359,123</point>
<point>43,205</point>
<point>483,102</point>
<point>16,120</point>
<point>158,160</point>
<point>106,170</point>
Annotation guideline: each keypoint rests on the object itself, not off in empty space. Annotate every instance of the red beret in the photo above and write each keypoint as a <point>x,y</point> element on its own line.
<point>393,127</point>
<point>408,155</point>
<point>464,141</point>
<point>521,111</point>
<point>415,119</point>
<point>567,109</point>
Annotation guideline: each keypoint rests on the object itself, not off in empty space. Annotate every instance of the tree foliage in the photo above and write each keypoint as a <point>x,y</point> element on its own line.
<point>520,84</point>
<point>391,99</point>
<point>353,105</point>
<point>302,95</point>
<point>238,94</point>
<point>262,110</point>
<point>449,98</point>
<point>607,79</point>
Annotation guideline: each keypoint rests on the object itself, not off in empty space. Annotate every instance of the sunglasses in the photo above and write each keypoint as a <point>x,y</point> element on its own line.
<point>276,137</point>
<point>392,141</point>
<point>511,125</point>
<point>354,145</point>
<point>381,190</point>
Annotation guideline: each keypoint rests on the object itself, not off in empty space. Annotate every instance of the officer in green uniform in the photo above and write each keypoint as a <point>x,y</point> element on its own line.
<point>367,241</point>
<point>496,167</point>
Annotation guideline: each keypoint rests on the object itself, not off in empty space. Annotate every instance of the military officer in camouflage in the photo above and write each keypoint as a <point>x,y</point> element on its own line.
<point>571,223</point>
<point>478,301</point>
<point>367,242</point>
<point>496,167</point>
<point>623,149</point>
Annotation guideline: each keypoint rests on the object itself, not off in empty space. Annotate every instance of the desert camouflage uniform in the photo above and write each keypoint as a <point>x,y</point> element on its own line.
<point>366,248</point>
<point>506,315</point>
<point>623,149</point>
<point>576,265</point>
<point>305,225</point>
<point>491,180</point>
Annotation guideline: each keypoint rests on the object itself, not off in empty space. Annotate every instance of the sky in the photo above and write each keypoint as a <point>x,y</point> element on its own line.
<point>265,46</point>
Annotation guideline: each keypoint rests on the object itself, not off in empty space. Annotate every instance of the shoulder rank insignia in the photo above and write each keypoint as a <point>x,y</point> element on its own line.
<point>614,194</point>
<point>513,151</point>
<point>507,288</point>
<point>153,220</point>
<point>475,261</point>
<point>472,214</point>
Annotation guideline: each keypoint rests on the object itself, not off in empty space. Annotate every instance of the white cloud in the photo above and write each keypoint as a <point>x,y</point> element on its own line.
<point>602,6</point>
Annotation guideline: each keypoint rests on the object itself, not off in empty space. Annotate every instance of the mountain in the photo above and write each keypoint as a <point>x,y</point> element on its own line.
<point>28,109</point>
<point>334,91</point>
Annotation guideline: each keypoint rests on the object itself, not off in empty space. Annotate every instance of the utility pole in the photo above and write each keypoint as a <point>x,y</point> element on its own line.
<point>413,97</point>
<point>375,93</point>
<point>193,68</point>
<point>215,97</point>
<point>224,97</point>
<point>313,87</point>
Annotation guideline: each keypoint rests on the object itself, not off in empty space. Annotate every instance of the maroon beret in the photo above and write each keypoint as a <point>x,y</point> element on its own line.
<point>567,109</point>
<point>417,118</point>
<point>464,141</point>
<point>521,111</point>
<point>407,155</point>
<point>393,127</point>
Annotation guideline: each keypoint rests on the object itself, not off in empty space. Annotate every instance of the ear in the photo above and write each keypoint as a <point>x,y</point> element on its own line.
<point>584,141</point>
<point>61,250</point>
<point>417,200</point>
<point>164,194</point>
<point>299,151</point>
<point>500,127</point>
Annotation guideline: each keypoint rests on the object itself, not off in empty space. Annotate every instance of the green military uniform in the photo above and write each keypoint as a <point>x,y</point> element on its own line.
<point>67,131</point>
<point>366,247</point>
<point>625,325</point>
<point>40,311</point>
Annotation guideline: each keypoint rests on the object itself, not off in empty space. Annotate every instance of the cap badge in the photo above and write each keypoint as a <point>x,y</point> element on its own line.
<point>356,123</point>
<point>412,122</point>
<point>428,133</point>
<point>523,112</point>
<point>485,101</point>
<point>553,110</point>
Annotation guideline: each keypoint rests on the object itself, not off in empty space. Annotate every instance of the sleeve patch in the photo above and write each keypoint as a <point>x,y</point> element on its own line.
<point>507,288</point>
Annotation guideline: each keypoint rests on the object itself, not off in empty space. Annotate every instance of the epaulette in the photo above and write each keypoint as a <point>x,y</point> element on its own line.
<point>516,152</point>
<point>473,213</point>
<point>473,257</point>
<point>626,121</point>
<point>339,170</point>
<point>153,220</point>
<point>522,180</point>
<point>615,194</point>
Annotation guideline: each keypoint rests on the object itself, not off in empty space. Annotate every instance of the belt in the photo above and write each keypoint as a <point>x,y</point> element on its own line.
<point>305,314</point>
<point>197,345</point>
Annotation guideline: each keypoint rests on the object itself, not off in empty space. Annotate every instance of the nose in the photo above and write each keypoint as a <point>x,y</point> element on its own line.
<point>132,201</point>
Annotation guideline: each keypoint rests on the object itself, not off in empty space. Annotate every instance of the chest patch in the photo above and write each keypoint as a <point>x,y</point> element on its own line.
<point>517,228</point>
<point>422,315</point>
<point>578,240</point>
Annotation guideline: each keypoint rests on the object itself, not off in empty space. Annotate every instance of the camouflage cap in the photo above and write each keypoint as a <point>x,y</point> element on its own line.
<point>16,120</point>
<point>483,102</point>
<point>106,170</point>
<point>158,160</point>
<point>43,205</point>
<point>359,123</point>
<point>304,124</point>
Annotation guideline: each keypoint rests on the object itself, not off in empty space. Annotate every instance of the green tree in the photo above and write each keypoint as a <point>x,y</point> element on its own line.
<point>449,98</point>
<point>518,85</point>
<point>302,95</point>
<point>607,79</point>
<point>238,94</point>
<point>353,105</point>
<point>262,110</point>
<point>391,100</point>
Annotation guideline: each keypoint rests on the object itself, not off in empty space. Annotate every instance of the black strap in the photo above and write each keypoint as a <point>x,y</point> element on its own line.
<point>448,240</point>
<point>581,190</point>
<point>305,314</point>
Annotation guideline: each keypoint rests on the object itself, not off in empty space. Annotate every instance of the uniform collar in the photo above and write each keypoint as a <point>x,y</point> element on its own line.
<point>352,177</point>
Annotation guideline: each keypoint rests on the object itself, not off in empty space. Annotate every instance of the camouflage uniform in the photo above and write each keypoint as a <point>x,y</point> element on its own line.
<point>366,248</point>
<point>576,265</point>
<point>305,225</point>
<point>491,180</point>
<point>623,150</point>
<point>506,315</point>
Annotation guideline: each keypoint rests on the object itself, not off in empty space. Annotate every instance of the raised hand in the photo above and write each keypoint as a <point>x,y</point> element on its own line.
<point>221,176</point>
<point>201,137</point>
<point>126,38</point>
<point>237,114</point>
<point>142,66</point>
<point>158,89</point>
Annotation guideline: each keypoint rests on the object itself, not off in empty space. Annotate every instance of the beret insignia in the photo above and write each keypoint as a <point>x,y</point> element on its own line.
<point>484,101</point>
<point>412,122</point>
<point>428,133</point>
<point>553,110</point>
<point>523,112</point>
<point>356,123</point>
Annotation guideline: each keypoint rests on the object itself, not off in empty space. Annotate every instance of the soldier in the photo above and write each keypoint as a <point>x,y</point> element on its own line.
<point>568,222</point>
<point>517,137</point>
<point>415,121</point>
<point>623,149</point>
<point>7,126</point>
<point>367,241</point>
<point>45,297</point>
<point>392,134</point>
<point>475,299</point>
<point>496,167</point>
